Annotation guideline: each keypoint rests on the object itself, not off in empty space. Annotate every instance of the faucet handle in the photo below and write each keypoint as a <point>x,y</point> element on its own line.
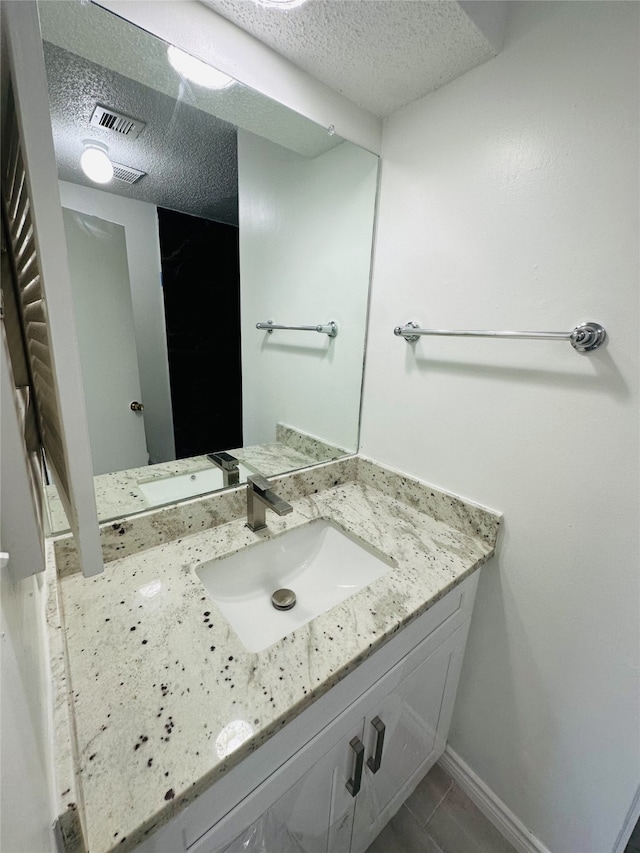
<point>259,483</point>
<point>259,497</point>
<point>223,460</point>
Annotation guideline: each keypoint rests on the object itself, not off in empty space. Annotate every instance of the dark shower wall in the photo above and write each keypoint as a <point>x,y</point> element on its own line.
<point>201,285</point>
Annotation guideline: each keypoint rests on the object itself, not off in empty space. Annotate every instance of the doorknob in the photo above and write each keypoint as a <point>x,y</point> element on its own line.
<point>137,407</point>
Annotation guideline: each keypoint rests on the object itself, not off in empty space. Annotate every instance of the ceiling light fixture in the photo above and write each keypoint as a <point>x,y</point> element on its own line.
<point>196,71</point>
<point>95,162</point>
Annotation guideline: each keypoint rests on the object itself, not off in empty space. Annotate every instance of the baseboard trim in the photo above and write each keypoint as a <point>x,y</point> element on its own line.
<point>490,805</point>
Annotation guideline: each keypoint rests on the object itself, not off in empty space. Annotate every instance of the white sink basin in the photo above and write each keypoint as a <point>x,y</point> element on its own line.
<point>319,562</point>
<point>177,487</point>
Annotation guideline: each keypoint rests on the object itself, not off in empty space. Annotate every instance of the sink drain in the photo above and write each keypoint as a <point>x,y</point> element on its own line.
<point>283,599</point>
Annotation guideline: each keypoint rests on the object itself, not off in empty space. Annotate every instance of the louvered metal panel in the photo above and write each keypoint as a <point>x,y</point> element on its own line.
<point>31,287</point>
<point>41,281</point>
<point>31,303</point>
<point>39,331</point>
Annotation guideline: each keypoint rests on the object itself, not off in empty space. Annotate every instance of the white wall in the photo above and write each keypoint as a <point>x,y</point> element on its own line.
<point>140,222</point>
<point>26,783</point>
<point>509,199</point>
<point>305,250</point>
<point>27,813</point>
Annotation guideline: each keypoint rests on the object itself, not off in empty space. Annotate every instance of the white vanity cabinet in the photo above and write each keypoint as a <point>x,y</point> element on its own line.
<point>343,802</point>
<point>312,787</point>
<point>414,714</point>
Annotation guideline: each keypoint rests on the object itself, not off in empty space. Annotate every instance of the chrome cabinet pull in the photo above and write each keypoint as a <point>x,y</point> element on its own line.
<point>353,785</point>
<point>136,406</point>
<point>373,763</point>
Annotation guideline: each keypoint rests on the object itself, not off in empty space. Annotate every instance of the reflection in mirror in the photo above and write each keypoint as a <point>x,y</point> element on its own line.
<point>225,210</point>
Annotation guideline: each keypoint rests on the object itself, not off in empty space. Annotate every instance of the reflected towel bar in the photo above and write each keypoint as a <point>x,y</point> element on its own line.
<point>330,328</point>
<point>584,338</point>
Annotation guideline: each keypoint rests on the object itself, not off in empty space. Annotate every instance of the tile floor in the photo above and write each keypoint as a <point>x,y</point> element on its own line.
<point>633,845</point>
<point>439,818</point>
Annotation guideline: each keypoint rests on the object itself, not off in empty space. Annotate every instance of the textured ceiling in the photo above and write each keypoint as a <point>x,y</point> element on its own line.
<point>381,54</point>
<point>188,147</point>
<point>190,156</point>
<point>117,45</point>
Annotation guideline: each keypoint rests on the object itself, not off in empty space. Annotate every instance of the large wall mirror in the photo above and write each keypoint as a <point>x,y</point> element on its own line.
<point>219,209</point>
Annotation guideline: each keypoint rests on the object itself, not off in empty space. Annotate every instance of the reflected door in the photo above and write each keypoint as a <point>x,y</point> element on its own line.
<point>99,272</point>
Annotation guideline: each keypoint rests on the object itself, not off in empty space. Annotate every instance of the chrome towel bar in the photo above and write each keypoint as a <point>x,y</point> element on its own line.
<point>584,338</point>
<point>330,328</point>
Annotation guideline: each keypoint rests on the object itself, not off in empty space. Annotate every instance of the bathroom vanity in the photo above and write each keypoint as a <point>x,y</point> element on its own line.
<point>351,761</point>
<point>180,738</point>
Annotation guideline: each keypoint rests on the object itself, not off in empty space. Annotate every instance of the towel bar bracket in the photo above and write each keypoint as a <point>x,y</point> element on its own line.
<point>587,337</point>
<point>404,331</point>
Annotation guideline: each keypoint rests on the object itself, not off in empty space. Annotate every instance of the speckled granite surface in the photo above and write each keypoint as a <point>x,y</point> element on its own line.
<point>156,675</point>
<point>70,807</point>
<point>118,494</point>
<point>155,527</point>
<point>309,445</point>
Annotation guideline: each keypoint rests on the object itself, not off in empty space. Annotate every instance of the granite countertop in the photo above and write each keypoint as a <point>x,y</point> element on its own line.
<point>118,493</point>
<point>155,676</point>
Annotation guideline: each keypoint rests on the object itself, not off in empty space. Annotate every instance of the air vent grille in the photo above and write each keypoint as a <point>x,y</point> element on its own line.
<point>118,122</point>
<point>127,173</point>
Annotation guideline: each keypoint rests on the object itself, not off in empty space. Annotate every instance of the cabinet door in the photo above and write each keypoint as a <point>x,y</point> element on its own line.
<point>314,816</point>
<point>416,718</point>
<point>344,795</point>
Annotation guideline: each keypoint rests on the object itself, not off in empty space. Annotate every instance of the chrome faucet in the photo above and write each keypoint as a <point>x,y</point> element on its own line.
<point>259,497</point>
<point>228,464</point>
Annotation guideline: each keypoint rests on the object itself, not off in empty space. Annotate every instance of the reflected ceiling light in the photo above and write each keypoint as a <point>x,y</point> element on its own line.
<point>196,71</point>
<point>232,736</point>
<point>95,162</point>
<point>150,589</point>
<point>281,4</point>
